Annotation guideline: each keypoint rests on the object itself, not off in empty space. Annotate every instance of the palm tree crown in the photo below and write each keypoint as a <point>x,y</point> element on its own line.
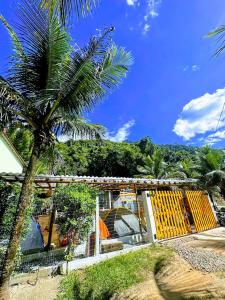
<point>50,83</point>
<point>154,166</point>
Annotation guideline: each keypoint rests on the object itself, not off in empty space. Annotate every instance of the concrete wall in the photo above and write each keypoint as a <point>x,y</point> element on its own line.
<point>9,163</point>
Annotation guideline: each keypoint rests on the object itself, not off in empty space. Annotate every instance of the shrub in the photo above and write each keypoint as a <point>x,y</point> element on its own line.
<point>75,205</point>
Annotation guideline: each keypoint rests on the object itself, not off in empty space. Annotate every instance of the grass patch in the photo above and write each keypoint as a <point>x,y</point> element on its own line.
<point>102,281</point>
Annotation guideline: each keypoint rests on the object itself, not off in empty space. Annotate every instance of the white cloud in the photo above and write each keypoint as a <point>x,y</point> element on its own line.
<point>122,133</point>
<point>131,2</point>
<point>151,10</point>
<point>200,116</point>
<point>214,137</point>
<point>146,28</point>
<point>195,68</point>
<point>192,68</point>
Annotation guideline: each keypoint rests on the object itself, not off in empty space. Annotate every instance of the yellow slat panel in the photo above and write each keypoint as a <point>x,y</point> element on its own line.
<point>175,219</point>
<point>201,210</point>
<point>169,214</point>
<point>172,214</point>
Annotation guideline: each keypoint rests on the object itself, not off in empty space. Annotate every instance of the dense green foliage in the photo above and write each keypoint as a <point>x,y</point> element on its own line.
<point>75,205</point>
<point>8,204</point>
<point>104,280</point>
<point>9,195</point>
<point>137,159</point>
<point>99,158</point>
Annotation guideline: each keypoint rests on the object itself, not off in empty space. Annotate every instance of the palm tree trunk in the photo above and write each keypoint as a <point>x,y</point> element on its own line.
<point>23,203</point>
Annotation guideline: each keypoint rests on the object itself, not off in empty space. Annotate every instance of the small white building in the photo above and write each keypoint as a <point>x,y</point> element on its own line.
<point>10,160</point>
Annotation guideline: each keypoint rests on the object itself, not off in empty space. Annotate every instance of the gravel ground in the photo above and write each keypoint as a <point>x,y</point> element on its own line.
<point>200,259</point>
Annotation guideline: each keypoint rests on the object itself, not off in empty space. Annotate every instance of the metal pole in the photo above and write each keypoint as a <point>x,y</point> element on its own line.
<point>110,200</point>
<point>139,211</point>
<point>97,229</point>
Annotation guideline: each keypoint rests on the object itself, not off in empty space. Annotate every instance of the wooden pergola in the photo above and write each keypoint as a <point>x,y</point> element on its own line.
<point>101,183</point>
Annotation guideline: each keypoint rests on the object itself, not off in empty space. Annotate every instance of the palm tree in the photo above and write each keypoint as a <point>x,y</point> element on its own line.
<point>212,169</point>
<point>49,86</point>
<point>183,169</point>
<point>154,166</point>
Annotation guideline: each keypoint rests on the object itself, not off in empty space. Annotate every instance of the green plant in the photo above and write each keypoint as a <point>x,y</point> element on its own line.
<point>75,205</point>
<point>154,166</point>
<point>9,195</point>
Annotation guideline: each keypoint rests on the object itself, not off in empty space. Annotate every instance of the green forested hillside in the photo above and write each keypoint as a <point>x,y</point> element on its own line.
<point>125,159</point>
<point>129,159</point>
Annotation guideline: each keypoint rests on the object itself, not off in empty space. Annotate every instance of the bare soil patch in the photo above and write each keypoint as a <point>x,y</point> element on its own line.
<point>177,281</point>
<point>45,289</point>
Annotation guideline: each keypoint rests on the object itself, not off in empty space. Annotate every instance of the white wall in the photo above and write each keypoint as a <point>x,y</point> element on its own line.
<point>9,163</point>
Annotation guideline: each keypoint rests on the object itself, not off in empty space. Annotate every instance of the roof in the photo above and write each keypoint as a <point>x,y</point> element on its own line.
<point>12,147</point>
<point>102,183</point>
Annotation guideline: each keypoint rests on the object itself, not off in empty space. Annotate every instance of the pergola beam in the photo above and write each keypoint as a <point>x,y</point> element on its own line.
<point>101,183</point>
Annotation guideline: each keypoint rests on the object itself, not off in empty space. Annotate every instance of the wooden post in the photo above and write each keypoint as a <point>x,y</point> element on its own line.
<point>150,222</point>
<point>97,229</point>
<point>52,220</point>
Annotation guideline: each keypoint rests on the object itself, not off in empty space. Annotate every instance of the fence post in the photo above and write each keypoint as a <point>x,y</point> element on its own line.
<point>211,202</point>
<point>97,229</point>
<point>110,200</point>
<point>150,222</point>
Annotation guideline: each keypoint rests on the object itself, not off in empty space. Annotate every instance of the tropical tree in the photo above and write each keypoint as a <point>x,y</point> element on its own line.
<point>49,86</point>
<point>212,169</point>
<point>183,169</point>
<point>146,146</point>
<point>154,166</point>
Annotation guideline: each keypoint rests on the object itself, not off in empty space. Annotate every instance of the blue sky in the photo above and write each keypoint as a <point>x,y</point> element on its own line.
<point>175,90</point>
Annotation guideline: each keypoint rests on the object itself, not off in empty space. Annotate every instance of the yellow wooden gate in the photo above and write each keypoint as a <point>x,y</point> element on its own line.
<point>169,214</point>
<point>201,210</point>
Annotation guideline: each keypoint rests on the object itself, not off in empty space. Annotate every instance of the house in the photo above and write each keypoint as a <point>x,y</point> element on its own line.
<point>10,160</point>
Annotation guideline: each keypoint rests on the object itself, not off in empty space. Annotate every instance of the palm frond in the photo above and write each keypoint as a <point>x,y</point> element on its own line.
<point>78,128</point>
<point>65,8</point>
<point>16,42</point>
<point>46,45</point>
<point>220,32</point>
<point>13,105</point>
<point>90,74</point>
<point>144,170</point>
<point>115,66</point>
